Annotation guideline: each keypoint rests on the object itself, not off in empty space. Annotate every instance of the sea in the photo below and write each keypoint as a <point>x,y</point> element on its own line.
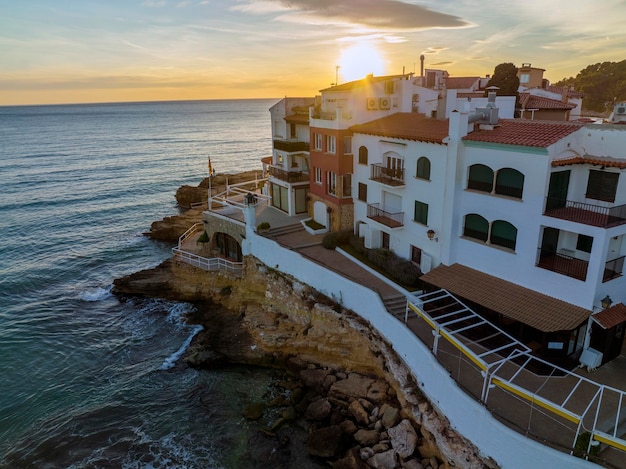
<point>88,379</point>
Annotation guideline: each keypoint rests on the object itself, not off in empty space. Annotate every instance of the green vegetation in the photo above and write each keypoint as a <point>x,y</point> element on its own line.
<point>505,77</point>
<point>582,443</point>
<point>314,225</point>
<point>203,238</point>
<point>336,238</point>
<point>602,83</point>
<point>263,226</point>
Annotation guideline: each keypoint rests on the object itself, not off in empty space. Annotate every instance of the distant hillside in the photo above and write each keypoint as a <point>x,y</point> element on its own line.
<point>602,83</point>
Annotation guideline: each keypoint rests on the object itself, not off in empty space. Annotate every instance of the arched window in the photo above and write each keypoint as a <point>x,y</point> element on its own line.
<point>362,155</point>
<point>503,234</point>
<point>480,178</point>
<point>476,227</point>
<point>510,182</point>
<point>423,168</point>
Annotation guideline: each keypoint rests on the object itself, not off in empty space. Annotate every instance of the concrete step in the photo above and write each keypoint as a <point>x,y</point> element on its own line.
<point>396,305</point>
<point>283,230</point>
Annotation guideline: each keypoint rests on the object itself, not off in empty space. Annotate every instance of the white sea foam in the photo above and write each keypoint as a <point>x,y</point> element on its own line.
<point>177,313</point>
<point>171,360</point>
<point>95,295</point>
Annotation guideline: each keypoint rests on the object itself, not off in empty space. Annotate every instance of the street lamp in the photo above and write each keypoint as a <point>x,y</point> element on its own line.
<point>606,302</point>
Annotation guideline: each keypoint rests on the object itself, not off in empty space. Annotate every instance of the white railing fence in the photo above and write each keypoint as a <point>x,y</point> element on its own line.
<point>209,264</point>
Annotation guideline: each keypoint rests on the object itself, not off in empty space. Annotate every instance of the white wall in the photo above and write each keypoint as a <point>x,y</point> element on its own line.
<point>509,448</point>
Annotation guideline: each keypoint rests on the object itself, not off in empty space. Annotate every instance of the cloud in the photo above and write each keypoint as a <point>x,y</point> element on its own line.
<point>154,3</point>
<point>374,14</point>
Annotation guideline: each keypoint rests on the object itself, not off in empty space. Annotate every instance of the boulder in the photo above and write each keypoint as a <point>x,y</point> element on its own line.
<point>354,386</point>
<point>254,411</point>
<point>403,438</point>
<point>351,460</point>
<point>390,417</point>
<point>325,442</point>
<point>386,460</point>
<point>366,437</point>
<point>318,410</point>
<point>359,413</point>
<point>314,379</point>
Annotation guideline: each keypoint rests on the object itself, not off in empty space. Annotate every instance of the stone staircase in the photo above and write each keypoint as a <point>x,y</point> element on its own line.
<point>396,305</point>
<point>283,230</point>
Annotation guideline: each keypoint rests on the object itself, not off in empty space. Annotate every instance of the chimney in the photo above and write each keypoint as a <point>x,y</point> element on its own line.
<point>565,94</point>
<point>422,66</point>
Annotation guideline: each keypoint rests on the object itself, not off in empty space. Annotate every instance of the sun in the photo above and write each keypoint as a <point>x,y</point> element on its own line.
<point>358,60</point>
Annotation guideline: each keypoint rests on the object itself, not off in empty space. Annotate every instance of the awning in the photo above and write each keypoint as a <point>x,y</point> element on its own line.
<point>513,301</point>
<point>611,317</point>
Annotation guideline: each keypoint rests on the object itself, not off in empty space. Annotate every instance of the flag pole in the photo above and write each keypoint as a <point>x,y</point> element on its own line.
<point>210,191</point>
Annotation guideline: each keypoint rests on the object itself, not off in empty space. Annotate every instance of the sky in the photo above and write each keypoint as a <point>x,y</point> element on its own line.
<point>81,51</point>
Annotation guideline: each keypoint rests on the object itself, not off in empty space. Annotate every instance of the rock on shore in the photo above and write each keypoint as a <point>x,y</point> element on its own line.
<point>353,388</point>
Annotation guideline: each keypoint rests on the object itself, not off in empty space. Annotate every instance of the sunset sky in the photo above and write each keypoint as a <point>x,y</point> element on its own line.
<point>68,51</point>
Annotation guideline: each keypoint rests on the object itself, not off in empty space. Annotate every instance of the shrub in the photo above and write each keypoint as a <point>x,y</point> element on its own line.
<point>203,238</point>
<point>358,244</point>
<point>314,225</point>
<point>263,226</point>
<point>406,273</point>
<point>336,238</point>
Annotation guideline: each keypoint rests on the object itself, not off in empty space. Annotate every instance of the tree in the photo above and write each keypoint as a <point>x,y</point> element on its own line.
<point>602,83</point>
<point>505,77</point>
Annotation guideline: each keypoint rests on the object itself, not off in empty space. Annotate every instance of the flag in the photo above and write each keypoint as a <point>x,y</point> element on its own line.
<point>210,167</point>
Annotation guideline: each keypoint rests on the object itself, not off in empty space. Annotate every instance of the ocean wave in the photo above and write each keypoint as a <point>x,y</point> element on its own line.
<point>173,358</point>
<point>95,295</point>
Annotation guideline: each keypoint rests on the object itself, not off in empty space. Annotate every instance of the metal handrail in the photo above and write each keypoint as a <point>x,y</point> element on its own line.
<point>187,234</point>
<point>209,264</point>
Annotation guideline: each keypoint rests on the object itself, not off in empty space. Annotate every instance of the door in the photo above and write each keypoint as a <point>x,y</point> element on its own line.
<point>557,190</point>
<point>550,242</point>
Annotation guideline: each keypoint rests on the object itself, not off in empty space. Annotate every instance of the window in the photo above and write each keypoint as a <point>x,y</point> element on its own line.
<point>347,145</point>
<point>331,183</point>
<point>346,184</point>
<point>318,175</point>
<point>423,168</point>
<point>510,182</point>
<point>421,213</point>
<point>362,155</point>
<point>480,178</point>
<point>394,167</point>
<point>524,78</point>
<point>292,130</point>
<point>416,255</point>
<point>602,185</point>
<point>503,234</point>
<point>362,192</point>
<point>476,227</point>
<point>331,144</point>
<point>584,243</point>
<point>317,140</point>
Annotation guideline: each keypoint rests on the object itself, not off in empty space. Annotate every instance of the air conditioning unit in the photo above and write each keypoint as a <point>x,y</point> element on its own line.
<point>620,109</point>
<point>372,104</point>
<point>385,103</point>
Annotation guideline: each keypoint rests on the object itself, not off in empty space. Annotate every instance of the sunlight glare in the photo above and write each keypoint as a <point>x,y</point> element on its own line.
<point>358,60</point>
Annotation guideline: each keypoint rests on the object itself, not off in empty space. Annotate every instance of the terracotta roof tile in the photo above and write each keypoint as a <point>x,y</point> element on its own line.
<point>605,161</point>
<point>530,101</point>
<point>406,125</point>
<point>527,133</point>
<point>298,118</point>
<point>513,301</point>
<point>611,317</point>
<point>463,83</point>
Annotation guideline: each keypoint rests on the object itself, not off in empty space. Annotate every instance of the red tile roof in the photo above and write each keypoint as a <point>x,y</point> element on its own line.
<point>461,83</point>
<point>298,118</point>
<point>611,317</point>
<point>513,301</point>
<point>529,101</point>
<point>595,160</point>
<point>406,125</point>
<point>570,93</point>
<point>527,133</point>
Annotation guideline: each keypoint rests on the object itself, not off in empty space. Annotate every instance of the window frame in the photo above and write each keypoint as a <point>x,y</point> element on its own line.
<point>331,183</point>
<point>472,232</point>
<point>318,175</point>
<point>420,208</point>
<point>331,144</point>
<point>317,141</point>
<point>509,190</point>
<point>502,241</point>
<point>422,170</point>
<point>479,185</point>
<point>363,155</point>
<point>362,192</point>
<point>602,185</point>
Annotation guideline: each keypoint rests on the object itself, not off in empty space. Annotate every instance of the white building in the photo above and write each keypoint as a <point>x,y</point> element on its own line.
<point>525,220</point>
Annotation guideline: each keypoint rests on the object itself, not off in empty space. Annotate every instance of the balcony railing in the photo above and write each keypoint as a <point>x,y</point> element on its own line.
<point>389,176</point>
<point>587,214</point>
<point>563,264</point>
<point>291,146</point>
<point>613,269</point>
<point>392,220</point>
<point>289,176</point>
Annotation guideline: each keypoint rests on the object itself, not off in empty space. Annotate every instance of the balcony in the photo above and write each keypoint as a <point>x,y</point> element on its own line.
<point>389,176</point>
<point>392,220</point>
<point>587,214</point>
<point>613,269</point>
<point>288,176</point>
<point>563,264</point>
<point>291,146</point>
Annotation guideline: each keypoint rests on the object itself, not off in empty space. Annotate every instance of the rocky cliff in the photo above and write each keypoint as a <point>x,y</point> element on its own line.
<point>267,318</point>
